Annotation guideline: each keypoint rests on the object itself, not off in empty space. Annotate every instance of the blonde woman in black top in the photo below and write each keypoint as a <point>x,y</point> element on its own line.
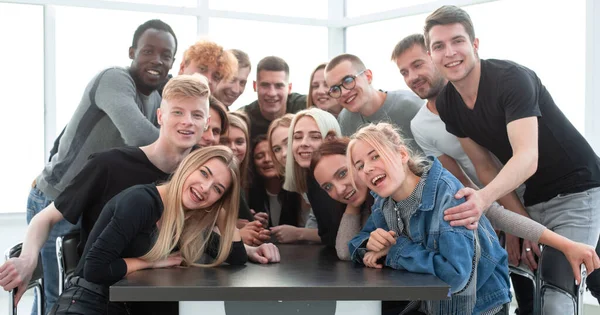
<point>157,226</point>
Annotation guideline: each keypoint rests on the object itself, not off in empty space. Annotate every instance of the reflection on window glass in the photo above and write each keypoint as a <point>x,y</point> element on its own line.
<point>304,8</point>
<point>22,87</point>
<point>86,44</point>
<point>176,3</point>
<point>533,40</point>
<point>360,7</point>
<point>302,47</point>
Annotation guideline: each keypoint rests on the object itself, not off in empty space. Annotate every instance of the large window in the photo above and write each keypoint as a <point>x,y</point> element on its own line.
<point>302,47</point>
<point>552,44</point>
<point>86,44</point>
<point>182,3</point>
<point>296,8</point>
<point>22,85</point>
<point>361,7</point>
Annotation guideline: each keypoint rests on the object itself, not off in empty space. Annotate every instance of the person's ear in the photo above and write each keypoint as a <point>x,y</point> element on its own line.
<point>207,124</point>
<point>159,116</point>
<point>254,85</point>
<point>369,75</point>
<point>131,53</point>
<point>290,88</point>
<point>181,67</point>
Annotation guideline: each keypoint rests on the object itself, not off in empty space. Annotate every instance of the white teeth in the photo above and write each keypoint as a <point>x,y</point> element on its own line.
<point>197,194</point>
<point>377,178</point>
<point>154,72</point>
<point>185,132</point>
<point>349,195</point>
<point>305,154</point>
<point>452,64</point>
<point>350,99</point>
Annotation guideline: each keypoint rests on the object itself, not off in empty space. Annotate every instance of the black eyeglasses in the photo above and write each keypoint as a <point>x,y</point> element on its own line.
<point>348,83</point>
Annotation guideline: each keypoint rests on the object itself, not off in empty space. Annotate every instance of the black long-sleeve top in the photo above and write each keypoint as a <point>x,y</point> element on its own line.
<point>327,211</point>
<point>127,228</point>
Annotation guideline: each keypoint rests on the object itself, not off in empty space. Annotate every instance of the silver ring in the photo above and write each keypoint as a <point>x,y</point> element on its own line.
<point>527,249</point>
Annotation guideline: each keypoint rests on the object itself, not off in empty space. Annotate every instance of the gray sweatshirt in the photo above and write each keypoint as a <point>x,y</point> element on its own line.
<point>111,113</point>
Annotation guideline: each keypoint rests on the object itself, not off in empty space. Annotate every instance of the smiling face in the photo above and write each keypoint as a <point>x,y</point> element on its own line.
<point>306,139</point>
<point>182,120</point>
<point>212,135</point>
<point>332,175</point>
<point>382,179</point>
<point>279,139</point>
<point>452,52</point>
<point>354,99</point>
<point>263,161</point>
<point>236,141</point>
<point>320,98</point>
<point>228,91</point>
<point>152,59</point>
<point>206,185</point>
<point>273,89</point>
<point>419,72</point>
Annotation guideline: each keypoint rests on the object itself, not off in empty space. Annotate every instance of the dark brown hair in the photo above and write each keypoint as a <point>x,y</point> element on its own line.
<point>449,14</point>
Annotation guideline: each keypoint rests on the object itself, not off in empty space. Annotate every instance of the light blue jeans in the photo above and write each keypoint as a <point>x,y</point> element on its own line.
<point>576,217</point>
<point>36,202</point>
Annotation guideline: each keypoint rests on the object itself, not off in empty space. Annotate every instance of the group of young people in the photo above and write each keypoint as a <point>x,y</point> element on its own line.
<point>417,180</point>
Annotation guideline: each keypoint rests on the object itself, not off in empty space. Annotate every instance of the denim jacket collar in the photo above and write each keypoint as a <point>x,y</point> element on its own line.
<point>430,189</point>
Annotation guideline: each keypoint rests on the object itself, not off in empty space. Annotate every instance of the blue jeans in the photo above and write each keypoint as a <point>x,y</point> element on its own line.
<point>574,216</point>
<point>36,202</point>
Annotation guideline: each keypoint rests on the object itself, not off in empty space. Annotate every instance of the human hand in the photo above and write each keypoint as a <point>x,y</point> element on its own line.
<point>467,214</point>
<point>263,254</point>
<point>16,273</point>
<point>241,223</point>
<point>579,253</point>
<point>371,257</point>
<point>381,239</point>
<point>529,248</point>
<point>513,248</point>
<point>172,260</point>
<point>254,234</point>
<point>286,233</point>
<point>262,217</point>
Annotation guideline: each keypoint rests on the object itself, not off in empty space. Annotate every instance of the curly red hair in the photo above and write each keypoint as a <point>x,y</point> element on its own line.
<point>210,53</point>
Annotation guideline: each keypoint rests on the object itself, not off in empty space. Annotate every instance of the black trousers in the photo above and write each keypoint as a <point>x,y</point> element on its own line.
<point>83,300</point>
<point>77,300</point>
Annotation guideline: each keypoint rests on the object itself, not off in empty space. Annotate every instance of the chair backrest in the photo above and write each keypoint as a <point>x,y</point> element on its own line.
<point>555,271</point>
<point>38,273</point>
<point>67,257</point>
<point>36,281</point>
<point>70,256</point>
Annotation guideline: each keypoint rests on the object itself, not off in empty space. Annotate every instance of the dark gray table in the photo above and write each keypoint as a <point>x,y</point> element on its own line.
<point>306,273</point>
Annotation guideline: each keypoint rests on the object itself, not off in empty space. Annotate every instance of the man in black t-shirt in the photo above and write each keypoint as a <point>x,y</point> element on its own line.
<point>503,107</point>
<point>182,116</point>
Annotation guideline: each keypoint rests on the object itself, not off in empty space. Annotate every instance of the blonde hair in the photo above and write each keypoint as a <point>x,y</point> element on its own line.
<point>185,86</point>
<point>309,100</point>
<point>386,139</point>
<point>236,120</point>
<point>210,53</point>
<point>189,229</point>
<point>295,176</point>
<point>285,121</point>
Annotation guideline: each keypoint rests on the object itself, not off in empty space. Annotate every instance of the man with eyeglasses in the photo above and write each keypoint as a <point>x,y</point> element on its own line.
<point>350,82</point>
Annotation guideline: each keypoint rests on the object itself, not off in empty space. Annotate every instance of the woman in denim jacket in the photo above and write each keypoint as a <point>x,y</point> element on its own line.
<point>406,229</point>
